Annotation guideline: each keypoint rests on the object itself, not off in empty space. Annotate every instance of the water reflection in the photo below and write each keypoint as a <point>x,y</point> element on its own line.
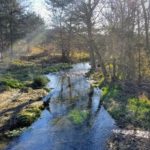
<point>54,130</point>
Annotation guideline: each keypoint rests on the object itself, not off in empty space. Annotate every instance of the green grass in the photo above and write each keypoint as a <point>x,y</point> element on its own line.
<point>78,116</point>
<point>97,77</point>
<point>56,68</point>
<point>110,92</point>
<point>24,119</point>
<point>21,74</point>
<point>40,82</point>
<point>10,82</point>
<point>126,110</point>
<point>14,133</point>
<point>139,110</point>
<point>28,116</point>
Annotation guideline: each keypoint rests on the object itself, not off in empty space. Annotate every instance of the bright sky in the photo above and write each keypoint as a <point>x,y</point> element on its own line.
<point>39,7</point>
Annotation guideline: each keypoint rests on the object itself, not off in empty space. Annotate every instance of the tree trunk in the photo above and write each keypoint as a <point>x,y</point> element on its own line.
<point>146,25</point>
<point>91,45</point>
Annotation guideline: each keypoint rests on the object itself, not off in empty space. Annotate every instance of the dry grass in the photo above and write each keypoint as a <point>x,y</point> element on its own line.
<point>36,50</point>
<point>12,102</point>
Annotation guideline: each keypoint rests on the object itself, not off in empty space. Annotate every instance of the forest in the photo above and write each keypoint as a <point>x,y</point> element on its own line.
<point>75,74</point>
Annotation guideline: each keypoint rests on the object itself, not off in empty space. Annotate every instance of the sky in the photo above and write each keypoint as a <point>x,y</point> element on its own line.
<point>39,7</point>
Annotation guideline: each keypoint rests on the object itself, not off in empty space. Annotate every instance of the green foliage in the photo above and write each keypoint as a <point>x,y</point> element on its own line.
<point>140,111</point>
<point>21,64</point>
<point>40,82</point>
<point>14,133</point>
<point>9,82</point>
<point>110,92</point>
<point>97,77</point>
<point>28,116</point>
<point>47,89</point>
<point>23,71</point>
<point>78,116</point>
<point>125,110</point>
<point>56,68</point>
<point>105,90</point>
<point>118,112</point>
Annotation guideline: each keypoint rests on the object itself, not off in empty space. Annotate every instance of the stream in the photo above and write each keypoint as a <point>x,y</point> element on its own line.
<point>54,130</point>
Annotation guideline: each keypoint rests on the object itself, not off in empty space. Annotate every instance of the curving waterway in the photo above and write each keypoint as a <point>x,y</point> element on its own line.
<point>54,130</point>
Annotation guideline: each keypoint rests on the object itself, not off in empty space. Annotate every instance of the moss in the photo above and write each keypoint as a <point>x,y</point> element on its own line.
<point>78,116</point>
<point>14,133</point>
<point>11,82</point>
<point>40,82</point>
<point>28,116</point>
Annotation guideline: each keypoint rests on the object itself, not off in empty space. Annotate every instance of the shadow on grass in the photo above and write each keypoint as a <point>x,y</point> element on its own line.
<point>12,122</point>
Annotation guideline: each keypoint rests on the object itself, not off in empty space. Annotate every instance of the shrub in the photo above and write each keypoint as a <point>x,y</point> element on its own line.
<point>40,82</point>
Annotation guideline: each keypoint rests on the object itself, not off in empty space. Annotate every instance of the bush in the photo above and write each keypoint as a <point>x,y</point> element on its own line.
<point>40,82</point>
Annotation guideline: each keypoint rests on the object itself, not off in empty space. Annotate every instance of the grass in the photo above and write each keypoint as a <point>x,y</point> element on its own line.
<point>126,109</point>
<point>14,133</point>
<point>21,74</point>
<point>139,110</point>
<point>40,82</point>
<point>57,68</point>
<point>110,92</point>
<point>28,116</point>
<point>79,56</point>
<point>78,116</point>
<point>9,82</point>
<point>97,77</point>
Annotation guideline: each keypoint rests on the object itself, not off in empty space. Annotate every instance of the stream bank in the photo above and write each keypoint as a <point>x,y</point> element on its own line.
<point>129,104</point>
<point>22,88</point>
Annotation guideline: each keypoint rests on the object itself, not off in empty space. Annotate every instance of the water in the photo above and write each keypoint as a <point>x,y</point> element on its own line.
<point>54,130</point>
